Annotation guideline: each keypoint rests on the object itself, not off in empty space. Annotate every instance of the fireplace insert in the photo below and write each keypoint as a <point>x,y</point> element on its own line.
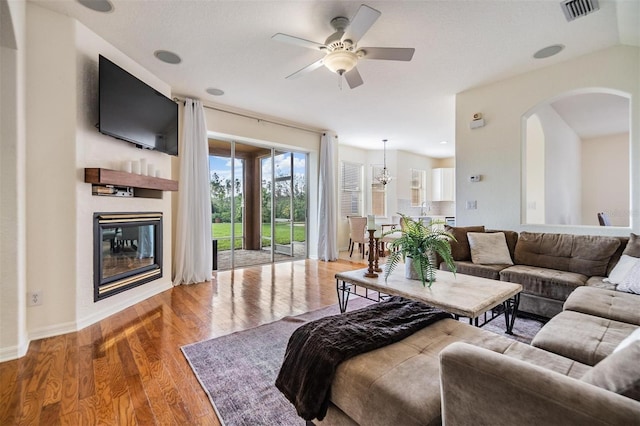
<point>127,251</point>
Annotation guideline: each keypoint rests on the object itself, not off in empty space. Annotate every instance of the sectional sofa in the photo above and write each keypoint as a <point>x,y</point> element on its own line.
<point>581,368</point>
<point>549,266</point>
<point>456,374</point>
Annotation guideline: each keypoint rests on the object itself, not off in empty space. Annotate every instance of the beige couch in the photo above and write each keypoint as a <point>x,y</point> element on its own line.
<point>459,374</point>
<point>549,266</point>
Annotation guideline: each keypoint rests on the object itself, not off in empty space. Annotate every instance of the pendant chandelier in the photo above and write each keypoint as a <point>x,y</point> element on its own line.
<point>384,177</point>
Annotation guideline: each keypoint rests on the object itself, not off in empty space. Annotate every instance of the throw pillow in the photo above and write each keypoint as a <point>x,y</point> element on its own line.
<point>622,268</point>
<point>633,246</point>
<point>631,281</point>
<point>619,372</point>
<point>489,248</point>
<point>633,337</point>
<point>460,249</point>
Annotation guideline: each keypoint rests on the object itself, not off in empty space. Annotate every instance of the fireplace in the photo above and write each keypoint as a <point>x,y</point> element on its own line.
<point>127,251</point>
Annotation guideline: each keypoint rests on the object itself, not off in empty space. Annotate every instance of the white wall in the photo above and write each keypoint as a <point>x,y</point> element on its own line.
<point>562,165</point>
<point>13,329</point>
<point>495,151</point>
<point>96,150</point>
<point>62,78</point>
<point>605,179</point>
<point>534,170</point>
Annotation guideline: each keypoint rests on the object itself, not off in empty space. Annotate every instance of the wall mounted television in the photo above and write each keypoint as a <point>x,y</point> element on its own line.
<point>133,111</point>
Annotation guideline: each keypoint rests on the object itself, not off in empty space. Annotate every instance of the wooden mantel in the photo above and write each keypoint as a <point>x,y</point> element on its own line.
<point>100,176</point>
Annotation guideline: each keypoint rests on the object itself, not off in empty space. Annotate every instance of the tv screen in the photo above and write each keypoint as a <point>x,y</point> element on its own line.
<point>135,112</point>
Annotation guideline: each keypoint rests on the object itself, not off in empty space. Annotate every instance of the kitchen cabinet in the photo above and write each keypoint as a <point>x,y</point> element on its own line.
<point>443,186</point>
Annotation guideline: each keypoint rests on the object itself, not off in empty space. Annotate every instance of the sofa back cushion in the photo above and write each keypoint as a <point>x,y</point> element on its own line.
<point>618,372</point>
<point>633,246</point>
<point>460,248</point>
<point>583,254</point>
<point>628,247</point>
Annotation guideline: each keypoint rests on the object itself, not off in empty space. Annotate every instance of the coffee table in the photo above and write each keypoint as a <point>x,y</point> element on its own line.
<point>462,295</point>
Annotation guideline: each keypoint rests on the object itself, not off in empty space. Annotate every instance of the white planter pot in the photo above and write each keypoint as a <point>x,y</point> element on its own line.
<point>410,272</point>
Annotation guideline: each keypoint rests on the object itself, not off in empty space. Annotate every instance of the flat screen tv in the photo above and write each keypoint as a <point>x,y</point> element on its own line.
<point>133,111</point>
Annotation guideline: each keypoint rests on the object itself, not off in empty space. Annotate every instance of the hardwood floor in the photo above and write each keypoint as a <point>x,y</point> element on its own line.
<point>128,368</point>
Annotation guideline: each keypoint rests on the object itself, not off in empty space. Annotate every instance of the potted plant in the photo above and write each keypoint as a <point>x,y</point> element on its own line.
<point>418,244</point>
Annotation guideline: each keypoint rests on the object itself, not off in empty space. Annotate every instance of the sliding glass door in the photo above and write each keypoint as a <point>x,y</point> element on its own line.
<point>259,203</point>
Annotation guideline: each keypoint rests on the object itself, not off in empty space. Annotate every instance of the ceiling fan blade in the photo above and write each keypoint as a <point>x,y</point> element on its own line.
<point>388,53</point>
<point>353,78</point>
<point>284,38</point>
<point>364,18</point>
<point>314,66</point>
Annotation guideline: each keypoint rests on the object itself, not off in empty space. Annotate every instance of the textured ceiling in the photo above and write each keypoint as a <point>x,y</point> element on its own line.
<point>459,45</point>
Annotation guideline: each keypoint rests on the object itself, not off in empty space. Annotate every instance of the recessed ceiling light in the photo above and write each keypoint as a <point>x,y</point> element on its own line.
<point>443,142</point>
<point>168,57</point>
<point>548,51</point>
<point>215,92</point>
<point>97,5</point>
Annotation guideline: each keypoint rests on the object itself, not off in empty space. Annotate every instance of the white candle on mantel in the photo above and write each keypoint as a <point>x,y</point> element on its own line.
<point>378,231</point>
<point>371,222</point>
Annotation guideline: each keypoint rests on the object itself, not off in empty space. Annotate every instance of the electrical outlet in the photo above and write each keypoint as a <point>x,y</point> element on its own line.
<point>34,298</point>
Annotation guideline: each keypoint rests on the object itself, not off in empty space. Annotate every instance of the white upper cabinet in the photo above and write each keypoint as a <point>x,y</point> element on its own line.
<point>443,185</point>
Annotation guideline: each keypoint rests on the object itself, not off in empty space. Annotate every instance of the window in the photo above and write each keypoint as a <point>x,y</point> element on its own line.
<point>418,187</point>
<point>351,189</point>
<point>378,193</point>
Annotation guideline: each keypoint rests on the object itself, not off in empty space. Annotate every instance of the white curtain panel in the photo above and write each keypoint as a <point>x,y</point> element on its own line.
<point>328,214</point>
<point>193,262</point>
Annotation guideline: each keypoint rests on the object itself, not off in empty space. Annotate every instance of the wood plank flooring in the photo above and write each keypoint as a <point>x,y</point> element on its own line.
<point>128,368</point>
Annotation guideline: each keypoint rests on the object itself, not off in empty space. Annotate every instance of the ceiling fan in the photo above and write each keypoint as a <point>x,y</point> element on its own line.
<point>341,48</point>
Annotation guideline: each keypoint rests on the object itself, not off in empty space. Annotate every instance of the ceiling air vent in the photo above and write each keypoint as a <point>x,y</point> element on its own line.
<point>577,8</point>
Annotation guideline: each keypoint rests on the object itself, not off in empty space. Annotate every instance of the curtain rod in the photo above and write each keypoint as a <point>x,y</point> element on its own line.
<point>177,99</point>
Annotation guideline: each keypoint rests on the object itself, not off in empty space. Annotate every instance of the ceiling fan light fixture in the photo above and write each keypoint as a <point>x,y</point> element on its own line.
<point>340,61</point>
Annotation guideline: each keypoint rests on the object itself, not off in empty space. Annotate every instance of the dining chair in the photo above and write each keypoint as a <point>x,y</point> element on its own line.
<point>357,226</point>
<point>603,219</point>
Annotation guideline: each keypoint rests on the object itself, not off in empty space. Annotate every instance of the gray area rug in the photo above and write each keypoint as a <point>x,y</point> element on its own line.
<point>238,371</point>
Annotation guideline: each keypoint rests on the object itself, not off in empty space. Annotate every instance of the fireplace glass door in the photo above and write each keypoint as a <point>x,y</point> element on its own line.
<point>127,249</point>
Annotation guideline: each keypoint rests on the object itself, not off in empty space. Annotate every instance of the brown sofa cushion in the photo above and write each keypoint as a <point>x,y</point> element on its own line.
<point>543,282</point>
<point>584,254</point>
<point>616,255</point>
<point>581,337</point>
<point>619,372</point>
<point>633,246</point>
<point>460,250</point>
<point>467,267</point>
<point>603,303</point>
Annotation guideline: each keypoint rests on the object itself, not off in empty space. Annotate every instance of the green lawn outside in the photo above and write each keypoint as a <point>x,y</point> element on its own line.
<point>222,233</point>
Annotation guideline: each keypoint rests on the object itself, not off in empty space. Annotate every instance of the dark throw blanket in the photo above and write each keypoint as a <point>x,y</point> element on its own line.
<point>317,348</point>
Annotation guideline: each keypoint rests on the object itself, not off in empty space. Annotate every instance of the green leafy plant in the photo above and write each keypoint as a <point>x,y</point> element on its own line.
<point>420,242</point>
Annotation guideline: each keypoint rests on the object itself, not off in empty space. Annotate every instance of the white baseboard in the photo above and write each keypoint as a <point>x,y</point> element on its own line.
<point>103,313</point>
<point>52,330</point>
<point>14,352</point>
